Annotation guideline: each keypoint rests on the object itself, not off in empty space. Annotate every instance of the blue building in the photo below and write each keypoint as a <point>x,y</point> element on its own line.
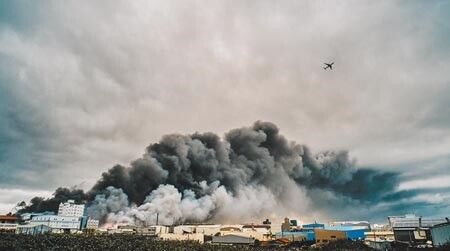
<point>311,227</point>
<point>353,232</point>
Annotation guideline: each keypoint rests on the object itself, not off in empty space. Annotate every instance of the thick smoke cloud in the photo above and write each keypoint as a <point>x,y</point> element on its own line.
<point>40,204</point>
<point>248,173</point>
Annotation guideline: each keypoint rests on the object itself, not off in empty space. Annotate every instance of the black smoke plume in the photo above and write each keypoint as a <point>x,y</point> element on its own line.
<point>40,204</point>
<point>256,157</point>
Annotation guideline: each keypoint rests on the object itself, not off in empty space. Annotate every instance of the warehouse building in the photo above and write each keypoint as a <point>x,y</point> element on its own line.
<point>414,230</point>
<point>58,223</point>
<point>356,232</point>
<point>293,236</point>
<point>230,229</point>
<point>26,217</point>
<point>34,229</point>
<point>208,229</point>
<point>311,227</point>
<point>8,223</point>
<point>379,236</point>
<point>264,229</point>
<point>70,219</point>
<point>324,236</point>
<point>233,239</point>
<point>441,234</point>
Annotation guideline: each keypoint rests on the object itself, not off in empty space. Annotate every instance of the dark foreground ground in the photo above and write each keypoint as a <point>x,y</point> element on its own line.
<point>53,242</point>
<point>9,241</point>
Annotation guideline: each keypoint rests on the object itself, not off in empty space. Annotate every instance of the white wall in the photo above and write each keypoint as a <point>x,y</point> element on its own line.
<point>56,221</point>
<point>71,209</point>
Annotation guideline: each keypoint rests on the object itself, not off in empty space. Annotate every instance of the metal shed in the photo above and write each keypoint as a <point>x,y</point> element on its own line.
<point>440,234</point>
<point>232,239</point>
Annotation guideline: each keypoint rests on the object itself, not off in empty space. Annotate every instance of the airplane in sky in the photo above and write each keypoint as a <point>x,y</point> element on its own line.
<point>328,66</point>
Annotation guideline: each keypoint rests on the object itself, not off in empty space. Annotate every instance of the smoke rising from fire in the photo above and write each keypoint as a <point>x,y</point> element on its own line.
<point>251,173</point>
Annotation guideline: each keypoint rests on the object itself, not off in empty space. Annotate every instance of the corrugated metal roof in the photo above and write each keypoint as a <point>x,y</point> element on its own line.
<point>346,228</point>
<point>414,222</point>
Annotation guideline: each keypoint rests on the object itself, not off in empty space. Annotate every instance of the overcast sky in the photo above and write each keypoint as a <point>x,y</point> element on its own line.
<point>88,84</point>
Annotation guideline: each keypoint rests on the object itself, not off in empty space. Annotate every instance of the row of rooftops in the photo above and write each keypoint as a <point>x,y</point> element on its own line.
<point>413,221</point>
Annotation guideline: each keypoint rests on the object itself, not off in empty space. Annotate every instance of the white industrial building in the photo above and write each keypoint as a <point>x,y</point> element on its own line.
<point>92,224</point>
<point>8,223</point>
<point>34,229</point>
<point>69,219</point>
<point>159,229</point>
<point>68,223</point>
<point>69,208</point>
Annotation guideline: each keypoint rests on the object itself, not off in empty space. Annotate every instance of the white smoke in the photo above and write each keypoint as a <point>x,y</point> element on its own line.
<point>170,206</point>
<point>115,203</point>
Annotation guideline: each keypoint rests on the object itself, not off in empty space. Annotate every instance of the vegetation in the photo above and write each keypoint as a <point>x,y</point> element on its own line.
<point>118,242</point>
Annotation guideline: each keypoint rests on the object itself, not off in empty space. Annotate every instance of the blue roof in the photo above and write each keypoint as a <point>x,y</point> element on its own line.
<point>313,225</point>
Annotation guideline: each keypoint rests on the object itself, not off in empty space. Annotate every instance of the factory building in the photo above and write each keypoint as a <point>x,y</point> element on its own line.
<point>253,234</point>
<point>324,236</point>
<point>293,236</point>
<point>256,228</point>
<point>441,234</point>
<point>92,224</point>
<point>233,239</point>
<point>159,229</point>
<point>286,225</point>
<point>225,230</point>
<point>70,219</point>
<point>208,229</point>
<point>412,229</point>
<point>69,208</point>
<point>356,232</point>
<point>58,223</point>
<point>311,227</point>
<point>34,229</point>
<point>184,229</point>
<point>26,217</point>
<point>275,227</point>
<point>8,223</point>
<point>379,236</point>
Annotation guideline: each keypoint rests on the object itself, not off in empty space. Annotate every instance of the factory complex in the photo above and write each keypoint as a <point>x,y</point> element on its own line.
<point>69,219</point>
<point>408,230</point>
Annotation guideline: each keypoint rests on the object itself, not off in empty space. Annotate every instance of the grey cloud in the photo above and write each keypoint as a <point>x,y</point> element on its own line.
<point>104,79</point>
